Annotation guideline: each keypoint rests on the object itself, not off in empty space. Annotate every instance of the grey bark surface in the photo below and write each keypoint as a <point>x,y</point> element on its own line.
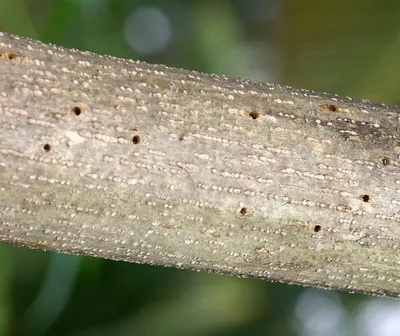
<point>143,163</point>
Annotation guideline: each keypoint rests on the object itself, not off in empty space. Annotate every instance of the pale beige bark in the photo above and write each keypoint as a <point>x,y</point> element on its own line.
<point>125,160</point>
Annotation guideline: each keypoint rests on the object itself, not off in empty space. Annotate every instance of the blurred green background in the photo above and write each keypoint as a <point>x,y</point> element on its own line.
<point>347,47</point>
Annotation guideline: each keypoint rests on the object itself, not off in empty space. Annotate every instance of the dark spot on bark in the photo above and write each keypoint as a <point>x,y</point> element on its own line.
<point>254,114</point>
<point>77,110</point>
<point>8,55</point>
<point>135,139</point>
<point>384,160</point>
<point>330,107</point>
<point>365,198</point>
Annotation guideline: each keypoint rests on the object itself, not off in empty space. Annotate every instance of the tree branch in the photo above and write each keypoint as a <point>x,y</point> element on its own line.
<point>129,161</point>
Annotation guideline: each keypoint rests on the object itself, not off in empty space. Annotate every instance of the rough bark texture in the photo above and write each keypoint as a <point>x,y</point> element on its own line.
<point>129,161</point>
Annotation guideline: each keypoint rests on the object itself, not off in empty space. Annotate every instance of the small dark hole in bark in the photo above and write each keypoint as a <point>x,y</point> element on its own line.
<point>254,114</point>
<point>330,107</point>
<point>385,160</point>
<point>47,147</point>
<point>135,139</point>
<point>365,198</point>
<point>8,55</point>
<point>77,110</point>
<point>317,228</point>
<point>243,211</point>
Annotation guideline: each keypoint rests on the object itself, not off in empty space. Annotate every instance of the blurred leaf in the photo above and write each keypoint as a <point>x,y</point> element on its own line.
<point>61,15</point>
<point>333,46</point>
<point>15,18</point>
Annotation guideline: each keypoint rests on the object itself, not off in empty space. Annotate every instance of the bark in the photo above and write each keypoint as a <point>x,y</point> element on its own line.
<point>143,163</point>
